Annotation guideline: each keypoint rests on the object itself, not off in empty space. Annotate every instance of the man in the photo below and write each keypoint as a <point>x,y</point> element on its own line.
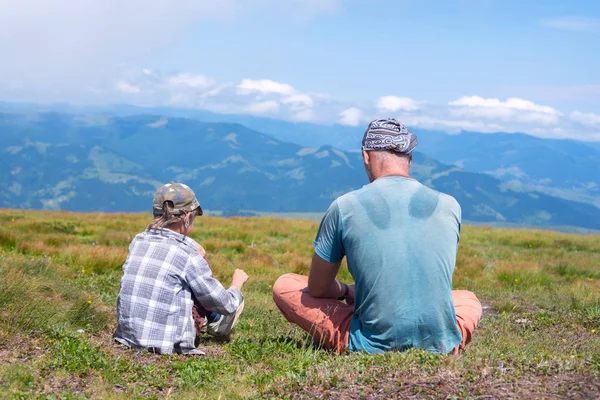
<point>400,239</point>
<point>167,290</point>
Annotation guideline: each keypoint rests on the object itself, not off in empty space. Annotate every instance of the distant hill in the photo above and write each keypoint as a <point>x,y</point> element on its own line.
<point>52,157</point>
<point>565,168</point>
<point>303,133</point>
<point>561,168</point>
<point>102,163</point>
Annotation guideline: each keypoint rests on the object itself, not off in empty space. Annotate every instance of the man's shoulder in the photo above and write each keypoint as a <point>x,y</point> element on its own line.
<point>443,197</point>
<point>447,200</point>
<point>378,186</point>
<point>367,192</point>
<point>353,194</point>
<point>350,198</point>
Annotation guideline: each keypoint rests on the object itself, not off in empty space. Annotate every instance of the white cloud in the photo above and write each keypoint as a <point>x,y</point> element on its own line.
<point>191,80</point>
<point>351,116</point>
<point>511,103</point>
<point>587,119</point>
<point>578,24</point>
<point>264,86</point>
<point>281,100</point>
<point>180,100</point>
<point>216,90</point>
<point>125,87</point>
<point>504,114</point>
<point>296,106</point>
<point>394,103</point>
<point>193,90</point>
<point>262,107</point>
<point>476,126</point>
<point>428,122</point>
<point>513,109</point>
<point>307,115</point>
<point>298,101</point>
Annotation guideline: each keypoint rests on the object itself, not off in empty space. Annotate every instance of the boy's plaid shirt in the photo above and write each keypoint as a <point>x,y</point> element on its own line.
<point>161,274</point>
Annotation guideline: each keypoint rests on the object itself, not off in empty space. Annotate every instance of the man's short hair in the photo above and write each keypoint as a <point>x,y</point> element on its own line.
<point>396,155</point>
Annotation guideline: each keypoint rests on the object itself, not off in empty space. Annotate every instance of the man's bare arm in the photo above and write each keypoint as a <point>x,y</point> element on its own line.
<point>321,279</point>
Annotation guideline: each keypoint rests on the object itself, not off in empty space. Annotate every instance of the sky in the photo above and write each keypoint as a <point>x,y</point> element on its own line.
<point>479,65</point>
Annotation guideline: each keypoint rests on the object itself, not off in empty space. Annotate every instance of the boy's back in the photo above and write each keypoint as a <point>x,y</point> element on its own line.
<point>151,286</point>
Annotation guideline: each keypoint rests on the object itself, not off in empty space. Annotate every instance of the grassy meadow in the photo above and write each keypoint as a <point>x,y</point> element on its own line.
<point>59,280</point>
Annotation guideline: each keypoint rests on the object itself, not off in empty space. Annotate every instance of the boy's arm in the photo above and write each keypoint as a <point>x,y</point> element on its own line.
<point>209,292</point>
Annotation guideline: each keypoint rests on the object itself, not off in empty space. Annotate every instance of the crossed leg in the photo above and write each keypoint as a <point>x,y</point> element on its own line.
<point>328,320</point>
<point>468,313</point>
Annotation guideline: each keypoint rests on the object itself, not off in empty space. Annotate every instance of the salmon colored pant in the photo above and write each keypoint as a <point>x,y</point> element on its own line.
<point>328,320</point>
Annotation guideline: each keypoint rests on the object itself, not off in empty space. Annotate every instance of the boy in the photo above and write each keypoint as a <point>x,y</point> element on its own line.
<point>167,290</point>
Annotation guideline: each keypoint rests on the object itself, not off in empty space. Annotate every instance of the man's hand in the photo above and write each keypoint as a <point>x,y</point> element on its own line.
<point>239,278</point>
<point>201,251</point>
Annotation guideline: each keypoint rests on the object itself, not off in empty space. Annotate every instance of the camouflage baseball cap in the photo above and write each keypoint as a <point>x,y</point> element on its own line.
<point>183,199</point>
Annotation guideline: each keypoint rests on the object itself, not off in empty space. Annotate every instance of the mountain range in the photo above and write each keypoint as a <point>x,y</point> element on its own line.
<point>561,168</point>
<point>101,162</point>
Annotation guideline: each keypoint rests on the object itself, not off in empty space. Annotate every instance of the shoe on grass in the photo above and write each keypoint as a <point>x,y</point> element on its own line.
<point>221,328</point>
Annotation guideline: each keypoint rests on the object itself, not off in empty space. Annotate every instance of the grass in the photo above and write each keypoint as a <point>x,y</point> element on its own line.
<point>59,280</point>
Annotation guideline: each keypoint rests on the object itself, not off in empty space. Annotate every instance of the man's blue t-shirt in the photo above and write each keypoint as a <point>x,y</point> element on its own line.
<point>400,239</point>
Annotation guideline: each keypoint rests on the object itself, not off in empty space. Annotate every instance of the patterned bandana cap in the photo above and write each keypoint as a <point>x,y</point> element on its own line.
<point>183,198</point>
<point>389,134</point>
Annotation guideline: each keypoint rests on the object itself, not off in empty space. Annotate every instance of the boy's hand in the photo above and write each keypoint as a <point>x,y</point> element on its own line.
<point>201,251</point>
<point>239,278</point>
<point>350,296</point>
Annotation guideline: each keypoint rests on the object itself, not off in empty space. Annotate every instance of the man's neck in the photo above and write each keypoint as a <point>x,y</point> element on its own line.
<point>394,172</point>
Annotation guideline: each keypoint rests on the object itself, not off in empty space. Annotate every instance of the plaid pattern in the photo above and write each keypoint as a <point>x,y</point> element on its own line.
<point>161,274</point>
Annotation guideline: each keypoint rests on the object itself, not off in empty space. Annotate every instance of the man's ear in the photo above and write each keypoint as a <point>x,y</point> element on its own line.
<point>366,157</point>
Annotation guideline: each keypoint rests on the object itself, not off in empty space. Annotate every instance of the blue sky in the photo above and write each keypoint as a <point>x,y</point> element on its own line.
<point>431,49</point>
<point>485,65</point>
